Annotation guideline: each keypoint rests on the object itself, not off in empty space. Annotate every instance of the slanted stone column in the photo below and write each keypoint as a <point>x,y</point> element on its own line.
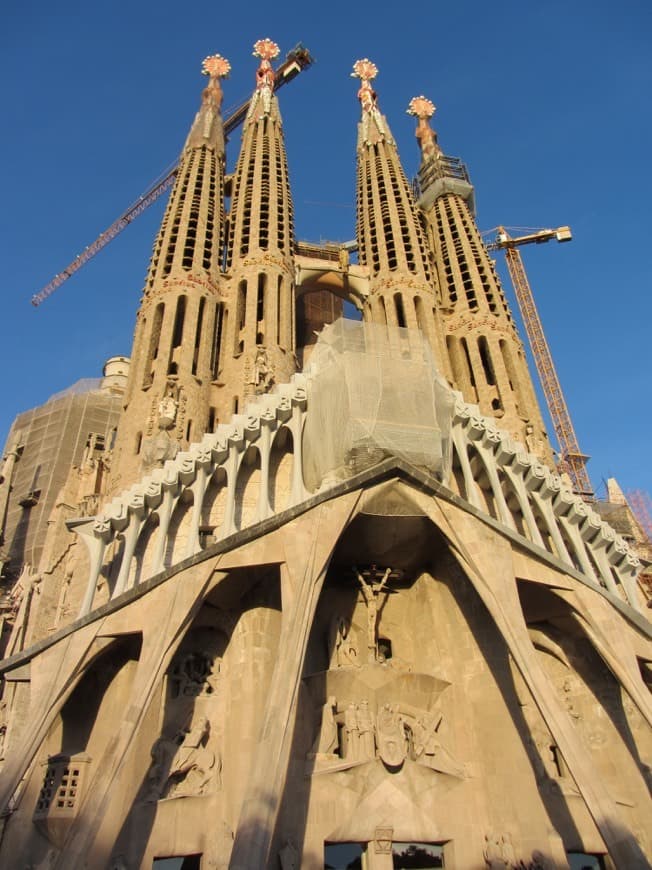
<point>309,543</point>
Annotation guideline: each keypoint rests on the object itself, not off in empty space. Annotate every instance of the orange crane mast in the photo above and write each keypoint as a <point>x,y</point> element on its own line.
<point>296,60</point>
<point>573,461</point>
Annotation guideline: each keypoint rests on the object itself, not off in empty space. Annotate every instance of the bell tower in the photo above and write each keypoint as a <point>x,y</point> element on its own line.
<point>485,353</point>
<point>391,242</point>
<point>168,393</point>
<point>259,329</point>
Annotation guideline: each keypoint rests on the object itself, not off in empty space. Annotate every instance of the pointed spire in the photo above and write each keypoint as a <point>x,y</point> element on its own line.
<point>373,126</point>
<point>207,127</point>
<point>262,100</point>
<point>423,109</point>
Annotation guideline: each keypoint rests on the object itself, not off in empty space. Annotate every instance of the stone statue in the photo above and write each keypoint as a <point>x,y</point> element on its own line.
<point>493,852</point>
<point>390,734</point>
<point>428,748</point>
<point>351,734</point>
<point>366,730</point>
<point>345,650</point>
<point>196,674</point>
<point>371,589</point>
<point>262,375</point>
<point>192,766</point>
<point>425,740</point>
<point>533,444</point>
<point>167,407</point>
<point>327,740</point>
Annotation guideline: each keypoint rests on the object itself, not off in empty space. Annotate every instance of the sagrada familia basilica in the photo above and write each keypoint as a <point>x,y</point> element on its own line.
<point>311,592</point>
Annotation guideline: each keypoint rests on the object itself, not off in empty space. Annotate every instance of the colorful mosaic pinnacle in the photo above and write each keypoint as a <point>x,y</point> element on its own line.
<point>421,107</point>
<point>364,69</point>
<point>266,49</point>
<point>216,66</point>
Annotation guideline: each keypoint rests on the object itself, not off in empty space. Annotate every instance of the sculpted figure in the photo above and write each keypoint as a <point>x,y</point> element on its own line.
<point>390,732</point>
<point>327,742</point>
<point>196,674</point>
<point>345,650</point>
<point>493,852</point>
<point>428,748</point>
<point>192,766</point>
<point>371,588</point>
<point>366,730</point>
<point>351,733</point>
<point>167,407</point>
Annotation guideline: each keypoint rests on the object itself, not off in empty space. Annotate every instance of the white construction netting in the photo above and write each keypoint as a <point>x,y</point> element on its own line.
<point>374,392</point>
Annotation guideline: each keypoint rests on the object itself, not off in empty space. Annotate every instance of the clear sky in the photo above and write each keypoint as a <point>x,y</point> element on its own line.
<point>547,103</point>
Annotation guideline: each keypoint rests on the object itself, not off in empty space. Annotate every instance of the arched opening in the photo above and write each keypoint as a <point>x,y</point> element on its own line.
<point>81,733</point>
<point>315,309</point>
<point>280,469</point>
<point>142,566</point>
<point>481,478</point>
<point>247,493</point>
<point>179,529</point>
<point>213,508</point>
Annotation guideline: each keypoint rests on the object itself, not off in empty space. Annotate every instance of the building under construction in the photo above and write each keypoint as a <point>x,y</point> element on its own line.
<point>315,594</point>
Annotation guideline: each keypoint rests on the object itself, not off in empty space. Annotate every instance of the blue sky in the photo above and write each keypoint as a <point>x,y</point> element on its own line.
<point>548,104</point>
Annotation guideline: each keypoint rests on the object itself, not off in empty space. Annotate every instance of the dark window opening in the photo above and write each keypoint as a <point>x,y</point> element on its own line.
<point>217,340</point>
<point>177,862</point>
<point>200,318</point>
<point>384,649</point>
<point>177,334</point>
<point>260,299</point>
<point>487,364</point>
<point>400,312</point>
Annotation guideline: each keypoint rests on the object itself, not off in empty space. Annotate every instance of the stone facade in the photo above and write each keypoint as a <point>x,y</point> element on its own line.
<point>236,661</point>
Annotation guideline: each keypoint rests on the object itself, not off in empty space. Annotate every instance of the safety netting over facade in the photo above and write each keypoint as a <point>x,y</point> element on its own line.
<point>373,392</point>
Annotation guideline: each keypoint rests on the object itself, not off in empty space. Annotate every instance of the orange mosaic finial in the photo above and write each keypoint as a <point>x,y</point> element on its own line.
<point>423,108</point>
<point>366,71</point>
<point>216,66</point>
<point>266,50</point>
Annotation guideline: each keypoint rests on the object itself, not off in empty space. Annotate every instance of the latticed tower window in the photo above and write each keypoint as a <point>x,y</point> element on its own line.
<point>62,787</point>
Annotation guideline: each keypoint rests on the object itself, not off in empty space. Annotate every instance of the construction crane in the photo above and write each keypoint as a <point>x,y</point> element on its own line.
<point>295,62</point>
<point>573,461</point>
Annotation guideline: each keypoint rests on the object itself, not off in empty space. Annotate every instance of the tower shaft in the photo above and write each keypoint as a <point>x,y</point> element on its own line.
<point>391,242</point>
<point>168,394</point>
<point>485,357</point>
<point>259,322</point>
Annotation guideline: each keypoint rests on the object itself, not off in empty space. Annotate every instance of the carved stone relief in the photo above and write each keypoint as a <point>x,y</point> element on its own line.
<point>351,733</point>
<point>196,674</point>
<point>184,765</point>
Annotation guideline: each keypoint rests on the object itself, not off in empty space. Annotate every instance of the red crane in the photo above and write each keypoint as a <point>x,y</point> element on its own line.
<point>296,60</point>
<point>573,460</point>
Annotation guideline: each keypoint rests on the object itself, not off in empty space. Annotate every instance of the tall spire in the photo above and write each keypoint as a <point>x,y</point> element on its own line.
<point>403,289</point>
<point>168,393</point>
<point>186,242</point>
<point>424,109</point>
<point>260,250</point>
<point>485,355</point>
